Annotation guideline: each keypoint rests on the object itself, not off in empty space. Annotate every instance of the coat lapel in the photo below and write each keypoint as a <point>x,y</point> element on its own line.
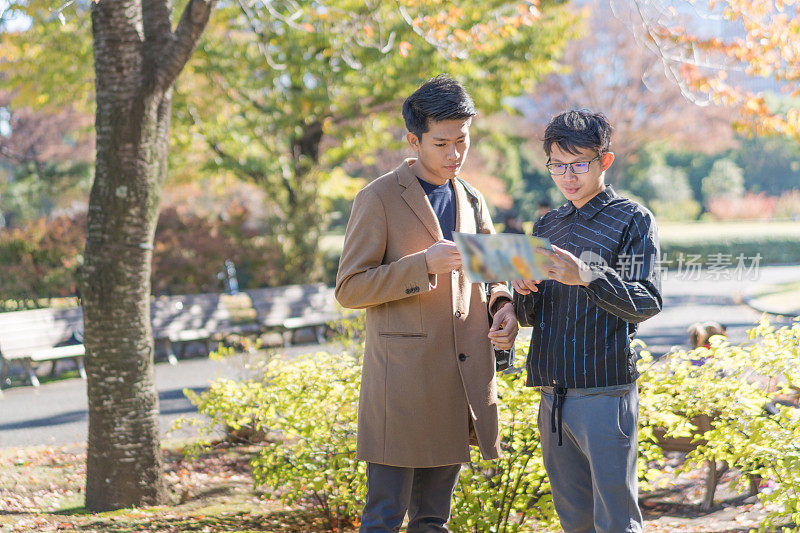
<point>415,197</point>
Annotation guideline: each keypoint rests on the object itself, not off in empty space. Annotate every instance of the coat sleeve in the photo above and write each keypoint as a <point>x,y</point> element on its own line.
<point>363,279</point>
<point>496,290</point>
<point>524,304</point>
<point>632,291</point>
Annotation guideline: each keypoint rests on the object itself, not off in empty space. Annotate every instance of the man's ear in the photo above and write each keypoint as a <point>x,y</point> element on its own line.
<point>608,158</point>
<point>413,141</point>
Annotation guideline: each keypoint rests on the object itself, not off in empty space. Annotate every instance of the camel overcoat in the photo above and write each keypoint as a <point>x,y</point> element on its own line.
<point>428,366</point>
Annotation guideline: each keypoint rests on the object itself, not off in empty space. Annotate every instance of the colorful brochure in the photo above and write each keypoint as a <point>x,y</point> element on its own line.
<point>502,256</point>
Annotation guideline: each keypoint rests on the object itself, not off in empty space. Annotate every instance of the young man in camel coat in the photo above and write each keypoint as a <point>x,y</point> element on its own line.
<point>428,383</point>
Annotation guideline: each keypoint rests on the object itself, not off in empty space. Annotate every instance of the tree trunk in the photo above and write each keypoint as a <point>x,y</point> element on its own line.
<point>303,212</point>
<point>136,61</point>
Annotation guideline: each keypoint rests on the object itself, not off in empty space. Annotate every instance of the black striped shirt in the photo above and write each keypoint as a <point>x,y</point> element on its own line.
<point>582,335</point>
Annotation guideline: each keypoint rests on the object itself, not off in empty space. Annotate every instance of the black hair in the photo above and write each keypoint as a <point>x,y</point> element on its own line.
<point>576,129</point>
<point>439,98</point>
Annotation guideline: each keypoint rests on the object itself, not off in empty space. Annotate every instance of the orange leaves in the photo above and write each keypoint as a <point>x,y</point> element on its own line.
<point>461,35</point>
<point>461,26</point>
<point>759,41</point>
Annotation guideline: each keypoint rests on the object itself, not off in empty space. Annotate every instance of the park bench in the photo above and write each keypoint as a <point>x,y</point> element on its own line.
<point>40,335</point>
<point>48,335</point>
<point>702,423</point>
<point>178,321</point>
<point>292,308</point>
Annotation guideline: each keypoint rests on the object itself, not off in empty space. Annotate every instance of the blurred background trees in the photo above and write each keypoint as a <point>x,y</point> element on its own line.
<point>288,109</point>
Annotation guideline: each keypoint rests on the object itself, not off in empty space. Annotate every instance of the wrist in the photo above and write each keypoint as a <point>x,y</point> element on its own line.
<point>501,302</point>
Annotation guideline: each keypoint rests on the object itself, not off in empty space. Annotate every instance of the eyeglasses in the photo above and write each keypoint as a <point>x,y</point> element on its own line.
<point>581,167</point>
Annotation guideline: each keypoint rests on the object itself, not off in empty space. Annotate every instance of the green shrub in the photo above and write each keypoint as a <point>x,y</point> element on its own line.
<point>311,404</point>
<point>512,493</point>
<point>772,248</point>
<point>675,210</point>
<point>733,384</point>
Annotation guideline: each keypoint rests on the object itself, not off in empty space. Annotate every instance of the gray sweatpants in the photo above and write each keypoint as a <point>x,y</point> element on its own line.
<point>593,473</point>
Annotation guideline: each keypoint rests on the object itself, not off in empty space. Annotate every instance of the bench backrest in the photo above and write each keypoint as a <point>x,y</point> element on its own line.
<point>22,332</point>
<point>169,315</point>
<point>275,304</point>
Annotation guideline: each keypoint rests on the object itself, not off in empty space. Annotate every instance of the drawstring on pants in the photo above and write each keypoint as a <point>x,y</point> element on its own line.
<point>559,396</point>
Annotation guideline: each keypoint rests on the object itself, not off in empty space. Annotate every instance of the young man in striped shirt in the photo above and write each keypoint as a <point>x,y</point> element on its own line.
<point>603,281</point>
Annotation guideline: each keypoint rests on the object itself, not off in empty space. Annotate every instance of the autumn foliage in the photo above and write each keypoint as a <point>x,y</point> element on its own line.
<point>751,206</point>
<point>41,260</point>
<point>761,49</point>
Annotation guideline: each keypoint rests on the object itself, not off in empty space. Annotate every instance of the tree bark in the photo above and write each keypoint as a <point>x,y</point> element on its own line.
<point>136,61</point>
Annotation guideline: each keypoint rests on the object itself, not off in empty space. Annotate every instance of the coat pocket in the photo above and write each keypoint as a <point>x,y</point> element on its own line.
<point>403,318</point>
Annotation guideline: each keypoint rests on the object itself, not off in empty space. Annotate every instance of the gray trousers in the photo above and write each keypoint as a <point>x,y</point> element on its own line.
<point>425,493</point>
<point>593,473</point>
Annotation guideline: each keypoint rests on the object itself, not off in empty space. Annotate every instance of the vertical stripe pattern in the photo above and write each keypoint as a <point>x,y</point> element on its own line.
<point>582,335</point>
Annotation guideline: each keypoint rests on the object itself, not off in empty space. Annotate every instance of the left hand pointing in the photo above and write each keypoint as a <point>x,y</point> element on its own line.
<point>504,327</point>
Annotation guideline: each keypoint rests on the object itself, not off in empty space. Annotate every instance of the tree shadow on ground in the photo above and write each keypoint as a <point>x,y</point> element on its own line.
<point>275,521</point>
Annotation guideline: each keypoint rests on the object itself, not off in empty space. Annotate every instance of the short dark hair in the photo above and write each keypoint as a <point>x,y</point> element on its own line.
<point>576,129</point>
<point>439,98</point>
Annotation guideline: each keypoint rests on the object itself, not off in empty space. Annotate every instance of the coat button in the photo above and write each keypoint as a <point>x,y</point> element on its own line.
<point>458,314</point>
<point>462,357</point>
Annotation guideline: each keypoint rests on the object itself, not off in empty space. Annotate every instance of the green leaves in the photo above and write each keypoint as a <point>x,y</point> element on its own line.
<point>733,385</point>
<point>511,493</point>
<point>311,405</point>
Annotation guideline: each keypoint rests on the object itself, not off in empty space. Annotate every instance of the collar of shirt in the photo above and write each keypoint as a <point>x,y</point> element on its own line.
<point>592,207</point>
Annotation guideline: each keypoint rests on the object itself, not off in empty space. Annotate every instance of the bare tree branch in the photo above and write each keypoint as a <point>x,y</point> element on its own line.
<point>252,21</point>
<point>183,42</point>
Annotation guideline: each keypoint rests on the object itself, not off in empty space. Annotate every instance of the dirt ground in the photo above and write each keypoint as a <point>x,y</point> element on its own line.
<point>41,490</point>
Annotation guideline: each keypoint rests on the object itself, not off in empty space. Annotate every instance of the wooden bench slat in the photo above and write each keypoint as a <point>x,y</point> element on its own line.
<point>59,352</point>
